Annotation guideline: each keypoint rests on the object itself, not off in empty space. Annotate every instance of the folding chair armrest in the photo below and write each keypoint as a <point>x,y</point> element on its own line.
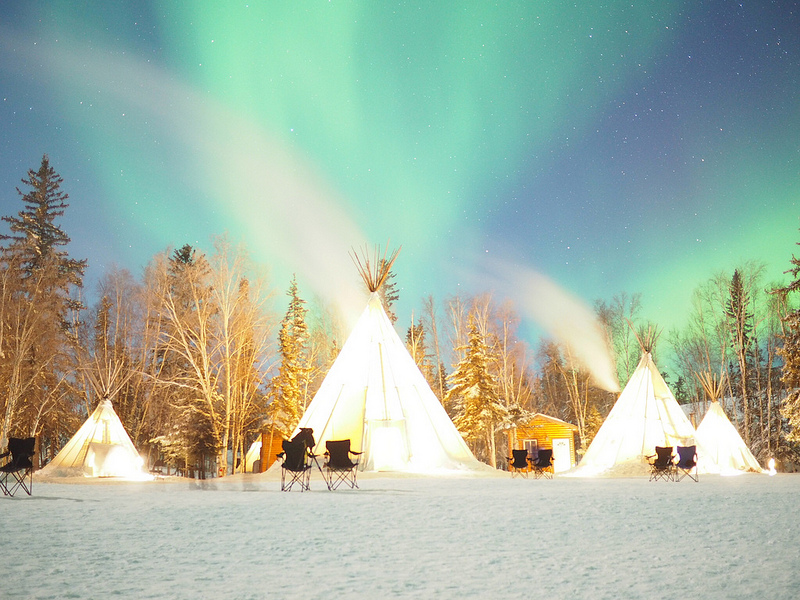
<point>354,452</point>
<point>6,453</point>
<point>280,455</point>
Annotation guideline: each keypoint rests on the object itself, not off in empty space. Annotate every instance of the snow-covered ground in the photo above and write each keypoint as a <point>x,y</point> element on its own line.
<point>482,536</point>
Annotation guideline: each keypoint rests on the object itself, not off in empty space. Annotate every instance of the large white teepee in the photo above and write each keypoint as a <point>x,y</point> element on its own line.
<point>646,415</point>
<point>100,448</point>
<point>375,395</point>
<point>724,450</point>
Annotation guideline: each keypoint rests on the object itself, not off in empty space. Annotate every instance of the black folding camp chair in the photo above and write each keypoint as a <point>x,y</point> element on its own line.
<point>687,463</point>
<point>661,465</point>
<point>543,465</point>
<point>17,472</point>
<point>518,463</point>
<point>339,468</point>
<point>296,461</point>
<point>306,434</point>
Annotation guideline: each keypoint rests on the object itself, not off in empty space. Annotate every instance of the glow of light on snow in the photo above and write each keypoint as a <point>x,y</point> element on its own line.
<point>406,536</point>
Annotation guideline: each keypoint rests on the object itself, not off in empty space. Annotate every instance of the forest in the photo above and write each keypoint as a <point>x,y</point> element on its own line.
<point>198,361</point>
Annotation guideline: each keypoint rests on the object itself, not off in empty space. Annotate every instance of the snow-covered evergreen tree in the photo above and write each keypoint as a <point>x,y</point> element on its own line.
<point>474,397</point>
<point>388,290</point>
<point>39,313</point>
<point>34,229</point>
<point>739,315</point>
<point>790,408</point>
<point>290,386</point>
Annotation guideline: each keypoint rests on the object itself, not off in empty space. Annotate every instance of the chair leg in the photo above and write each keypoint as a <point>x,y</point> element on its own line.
<point>666,474</point>
<point>302,478</point>
<point>334,478</point>
<point>329,477</point>
<point>21,479</point>
<point>682,473</point>
<point>354,480</point>
<point>28,487</point>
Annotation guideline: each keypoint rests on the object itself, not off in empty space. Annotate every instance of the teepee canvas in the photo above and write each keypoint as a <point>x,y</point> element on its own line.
<point>253,456</point>
<point>645,415</point>
<point>375,396</point>
<point>100,448</point>
<point>724,450</point>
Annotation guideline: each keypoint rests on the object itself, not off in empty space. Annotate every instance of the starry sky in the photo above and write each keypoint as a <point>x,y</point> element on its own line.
<point>609,147</point>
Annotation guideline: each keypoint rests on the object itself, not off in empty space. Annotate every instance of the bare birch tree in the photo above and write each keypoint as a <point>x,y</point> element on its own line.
<point>431,322</point>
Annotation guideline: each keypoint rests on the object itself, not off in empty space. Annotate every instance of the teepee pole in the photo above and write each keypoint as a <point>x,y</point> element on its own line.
<point>374,272</point>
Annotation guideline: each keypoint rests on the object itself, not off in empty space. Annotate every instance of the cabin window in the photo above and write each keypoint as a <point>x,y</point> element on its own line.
<point>532,446</point>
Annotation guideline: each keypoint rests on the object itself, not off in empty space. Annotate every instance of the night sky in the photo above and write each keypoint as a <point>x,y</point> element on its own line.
<point>608,147</point>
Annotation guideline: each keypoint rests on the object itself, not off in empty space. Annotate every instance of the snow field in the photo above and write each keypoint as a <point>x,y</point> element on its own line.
<point>405,537</point>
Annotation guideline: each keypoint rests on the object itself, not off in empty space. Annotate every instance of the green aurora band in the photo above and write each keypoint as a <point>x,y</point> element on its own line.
<point>582,140</point>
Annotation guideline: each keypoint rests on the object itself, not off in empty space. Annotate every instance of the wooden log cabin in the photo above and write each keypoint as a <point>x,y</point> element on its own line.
<point>271,446</point>
<point>547,432</point>
<point>263,452</point>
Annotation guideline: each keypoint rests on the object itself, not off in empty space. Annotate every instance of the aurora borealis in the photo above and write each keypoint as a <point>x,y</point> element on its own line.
<point>622,146</point>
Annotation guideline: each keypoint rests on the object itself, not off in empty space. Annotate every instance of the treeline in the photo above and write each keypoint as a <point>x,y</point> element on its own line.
<point>734,332</point>
<point>183,352</point>
<point>197,362</point>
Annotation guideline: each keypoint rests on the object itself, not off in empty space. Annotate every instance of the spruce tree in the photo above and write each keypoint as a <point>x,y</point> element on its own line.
<point>553,396</point>
<point>740,323</point>
<point>40,314</point>
<point>34,230</point>
<point>474,395</point>
<point>290,385</point>
<point>790,352</point>
<point>388,292</point>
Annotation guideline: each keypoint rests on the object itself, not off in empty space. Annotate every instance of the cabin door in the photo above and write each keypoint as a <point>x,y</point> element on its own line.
<point>562,457</point>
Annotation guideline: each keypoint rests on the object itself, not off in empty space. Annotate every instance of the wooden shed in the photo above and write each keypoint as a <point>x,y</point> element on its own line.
<point>263,451</point>
<point>547,432</point>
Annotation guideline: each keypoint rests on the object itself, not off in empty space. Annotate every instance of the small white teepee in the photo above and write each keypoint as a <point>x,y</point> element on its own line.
<point>376,396</point>
<point>646,415</point>
<point>100,448</point>
<point>724,450</point>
